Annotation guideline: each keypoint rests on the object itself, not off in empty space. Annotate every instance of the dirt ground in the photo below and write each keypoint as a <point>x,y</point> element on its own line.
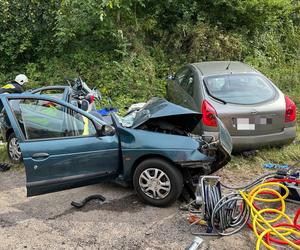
<point>122,222</point>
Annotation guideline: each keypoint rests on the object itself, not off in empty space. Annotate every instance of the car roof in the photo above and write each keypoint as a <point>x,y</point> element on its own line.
<point>221,67</point>
<point>51,87</point>
<point>51,99</point>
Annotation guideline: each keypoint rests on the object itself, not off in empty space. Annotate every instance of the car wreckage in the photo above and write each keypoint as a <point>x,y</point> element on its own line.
<point>73,92</point>
<point>153,148</point>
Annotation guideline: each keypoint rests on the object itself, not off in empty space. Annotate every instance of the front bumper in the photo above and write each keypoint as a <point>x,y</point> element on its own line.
<point>209,165</point>
<point>194,164</point>
<point>217,157</point>
<point>201,167</point>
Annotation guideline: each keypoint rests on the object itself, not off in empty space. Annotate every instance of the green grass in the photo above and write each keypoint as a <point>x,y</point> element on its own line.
<point>3,154</point>
<point>288,154</point>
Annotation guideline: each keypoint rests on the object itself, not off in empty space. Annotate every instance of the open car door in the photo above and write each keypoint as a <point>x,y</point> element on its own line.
<point>60,145</point>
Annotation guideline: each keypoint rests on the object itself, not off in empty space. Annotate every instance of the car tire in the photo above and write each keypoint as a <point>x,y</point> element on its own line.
<point>157,182</point>
<point>13,149</point>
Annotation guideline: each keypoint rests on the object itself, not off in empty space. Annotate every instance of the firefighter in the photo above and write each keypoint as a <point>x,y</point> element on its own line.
<point>15,86</point>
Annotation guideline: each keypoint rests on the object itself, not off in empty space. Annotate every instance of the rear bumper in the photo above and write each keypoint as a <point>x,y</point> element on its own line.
<point>259,141</point>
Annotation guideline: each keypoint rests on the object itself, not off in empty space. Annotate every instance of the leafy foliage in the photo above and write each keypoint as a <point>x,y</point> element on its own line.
<point>127,48</point>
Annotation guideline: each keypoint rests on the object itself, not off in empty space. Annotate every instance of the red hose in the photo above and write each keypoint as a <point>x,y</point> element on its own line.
<point>281,242</point>
<point>296,226</point>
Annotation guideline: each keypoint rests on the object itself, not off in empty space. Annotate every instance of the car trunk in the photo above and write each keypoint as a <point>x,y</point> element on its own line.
<point>248,104</point>
<point>243,120</point>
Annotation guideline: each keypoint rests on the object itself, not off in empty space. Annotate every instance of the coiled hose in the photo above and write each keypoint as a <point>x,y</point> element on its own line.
<point>224,213</point>
<point>272,230</point>
<point>228,214</point>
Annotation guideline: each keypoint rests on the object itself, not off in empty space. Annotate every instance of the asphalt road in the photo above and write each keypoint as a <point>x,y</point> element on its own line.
<point>50,222</point>
<point>123,222</point>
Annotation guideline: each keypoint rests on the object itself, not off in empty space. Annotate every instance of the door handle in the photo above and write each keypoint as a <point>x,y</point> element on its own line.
<point>40,155</point>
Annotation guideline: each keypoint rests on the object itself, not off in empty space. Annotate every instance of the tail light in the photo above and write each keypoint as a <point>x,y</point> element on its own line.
<point>209,114</point>
<point>290,110</point>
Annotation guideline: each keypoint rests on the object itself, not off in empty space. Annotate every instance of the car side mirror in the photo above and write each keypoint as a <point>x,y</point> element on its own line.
<point>85,105</point>
<point>171,77</point>
<point>106,130</point>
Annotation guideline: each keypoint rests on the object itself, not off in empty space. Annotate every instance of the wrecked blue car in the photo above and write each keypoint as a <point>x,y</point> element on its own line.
<point>154,149</point>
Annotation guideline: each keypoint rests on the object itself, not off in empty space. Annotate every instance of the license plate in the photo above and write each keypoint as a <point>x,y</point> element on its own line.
<point>244,124</point>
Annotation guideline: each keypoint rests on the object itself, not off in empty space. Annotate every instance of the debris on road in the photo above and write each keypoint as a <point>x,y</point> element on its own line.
<point>87,199</point>
<point>5,166</point>
<point>275,166</point>
<point>249,153</point>
<point>196,243</point>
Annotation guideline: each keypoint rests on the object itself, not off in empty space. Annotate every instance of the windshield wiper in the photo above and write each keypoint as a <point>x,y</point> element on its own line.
<point>217,98</point>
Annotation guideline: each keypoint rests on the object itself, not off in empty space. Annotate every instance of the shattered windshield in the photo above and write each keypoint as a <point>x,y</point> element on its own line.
<point>129,119</point>
<point>126,121</point>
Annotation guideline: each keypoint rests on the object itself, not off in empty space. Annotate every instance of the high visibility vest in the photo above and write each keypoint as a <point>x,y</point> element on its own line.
<point>8,86</point>
<point>86,126</point>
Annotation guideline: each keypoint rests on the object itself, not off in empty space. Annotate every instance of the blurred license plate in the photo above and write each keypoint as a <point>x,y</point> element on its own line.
<point>244,124</point>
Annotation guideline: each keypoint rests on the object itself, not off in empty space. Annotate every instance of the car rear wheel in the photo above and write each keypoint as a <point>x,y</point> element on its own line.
<point>13,149</point>
<point>157,182</point>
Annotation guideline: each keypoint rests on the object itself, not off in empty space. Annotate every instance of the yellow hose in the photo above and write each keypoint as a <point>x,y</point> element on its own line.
<point>265,224</point>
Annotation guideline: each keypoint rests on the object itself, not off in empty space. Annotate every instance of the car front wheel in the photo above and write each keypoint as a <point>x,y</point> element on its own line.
<point>157,182</point>
<point>13,149</point>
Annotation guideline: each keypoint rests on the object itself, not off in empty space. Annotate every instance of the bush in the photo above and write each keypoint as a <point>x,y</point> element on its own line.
<point>127,48</point>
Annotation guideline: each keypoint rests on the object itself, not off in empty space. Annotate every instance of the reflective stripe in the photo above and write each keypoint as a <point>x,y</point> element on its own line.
<point>8,86</point>
<point>86,126</point>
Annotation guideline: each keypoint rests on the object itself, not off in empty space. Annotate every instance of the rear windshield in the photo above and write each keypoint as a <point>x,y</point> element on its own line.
<point>240,89</point>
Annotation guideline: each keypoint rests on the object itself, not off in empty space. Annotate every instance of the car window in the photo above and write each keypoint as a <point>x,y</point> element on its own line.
<point>185,79</point>
<point>74,101</point>
<point>216,83</point>
<point>56,93</point>
<point>240,88</point>
<point>180,75</point>
<point>189,83</point>
<point>39,120</point>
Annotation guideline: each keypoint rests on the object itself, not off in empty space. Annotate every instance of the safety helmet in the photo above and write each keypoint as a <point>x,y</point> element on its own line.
<point>21,79</point>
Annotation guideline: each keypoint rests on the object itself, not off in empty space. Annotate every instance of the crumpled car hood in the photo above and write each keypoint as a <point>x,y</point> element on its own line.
<point>160,109</point>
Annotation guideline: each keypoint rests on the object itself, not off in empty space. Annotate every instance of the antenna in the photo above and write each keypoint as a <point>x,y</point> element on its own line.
<point>227,68</point>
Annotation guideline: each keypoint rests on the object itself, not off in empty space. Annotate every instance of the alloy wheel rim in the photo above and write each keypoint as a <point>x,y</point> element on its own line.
<point>155,183</point>
<point>14,149</point>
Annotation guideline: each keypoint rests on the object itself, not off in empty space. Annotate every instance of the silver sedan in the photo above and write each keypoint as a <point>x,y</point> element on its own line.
<point>255,111</point>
